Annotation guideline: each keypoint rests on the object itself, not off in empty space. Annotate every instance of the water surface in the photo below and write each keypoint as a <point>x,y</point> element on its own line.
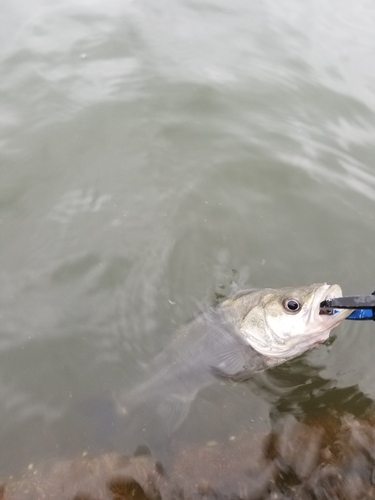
<point>155,157</point>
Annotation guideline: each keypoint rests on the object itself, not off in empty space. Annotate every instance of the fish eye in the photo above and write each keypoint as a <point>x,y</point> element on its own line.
<point>291,305</point>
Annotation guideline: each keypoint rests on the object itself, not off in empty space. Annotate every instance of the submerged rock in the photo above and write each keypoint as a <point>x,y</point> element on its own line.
<point>106,477</point>
<point>331,459</point>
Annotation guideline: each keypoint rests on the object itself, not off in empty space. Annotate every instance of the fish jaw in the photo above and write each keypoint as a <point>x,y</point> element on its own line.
<point>324,323</point>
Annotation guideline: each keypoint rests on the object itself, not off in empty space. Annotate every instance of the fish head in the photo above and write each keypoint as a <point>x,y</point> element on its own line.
<point>285,322</point>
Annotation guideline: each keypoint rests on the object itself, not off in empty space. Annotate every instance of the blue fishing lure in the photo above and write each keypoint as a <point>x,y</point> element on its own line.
<point>361,314</point>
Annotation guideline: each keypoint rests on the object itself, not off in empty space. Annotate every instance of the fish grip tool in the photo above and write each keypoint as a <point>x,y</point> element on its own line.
<point>363,305</point>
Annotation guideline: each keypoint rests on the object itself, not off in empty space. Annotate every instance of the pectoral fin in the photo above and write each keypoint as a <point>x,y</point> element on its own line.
<point>239,363</point>
<point>173,410</point>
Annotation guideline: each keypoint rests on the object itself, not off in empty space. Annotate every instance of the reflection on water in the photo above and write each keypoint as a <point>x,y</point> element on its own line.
<point>155,158</point>
<point>300,390</point>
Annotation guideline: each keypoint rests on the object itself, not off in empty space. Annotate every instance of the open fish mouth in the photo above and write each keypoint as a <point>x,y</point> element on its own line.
<point>332,317</point>
<point>332,292</point>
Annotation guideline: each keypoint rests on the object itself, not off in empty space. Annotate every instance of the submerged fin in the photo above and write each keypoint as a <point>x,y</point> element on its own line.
<point>235,363</point>
<point>173,410</point>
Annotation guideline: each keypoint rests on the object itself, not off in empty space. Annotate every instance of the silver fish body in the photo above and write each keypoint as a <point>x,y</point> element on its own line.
<point>244,335</point>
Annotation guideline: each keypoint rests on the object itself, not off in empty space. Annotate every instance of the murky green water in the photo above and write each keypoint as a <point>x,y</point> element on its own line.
<point>153,157</point>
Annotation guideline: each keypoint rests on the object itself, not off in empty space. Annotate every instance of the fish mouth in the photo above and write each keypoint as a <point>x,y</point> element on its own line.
<point>331,292</point>
<point>328,292</point>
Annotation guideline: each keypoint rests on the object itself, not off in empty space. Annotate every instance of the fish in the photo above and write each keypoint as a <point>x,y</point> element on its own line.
<point>240,337</point>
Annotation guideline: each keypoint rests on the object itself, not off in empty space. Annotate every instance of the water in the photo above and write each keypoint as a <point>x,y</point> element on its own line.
<point>156,157</point>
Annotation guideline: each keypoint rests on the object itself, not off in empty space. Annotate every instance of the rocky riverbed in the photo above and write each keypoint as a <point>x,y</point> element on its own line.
<point>325,459</point>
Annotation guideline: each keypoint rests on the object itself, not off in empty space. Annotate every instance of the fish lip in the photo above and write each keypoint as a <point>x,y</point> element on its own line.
<point>332,292</point>
<point>326,292</point>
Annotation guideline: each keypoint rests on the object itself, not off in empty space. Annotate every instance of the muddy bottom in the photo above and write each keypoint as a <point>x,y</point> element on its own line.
<point>329,458</point>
